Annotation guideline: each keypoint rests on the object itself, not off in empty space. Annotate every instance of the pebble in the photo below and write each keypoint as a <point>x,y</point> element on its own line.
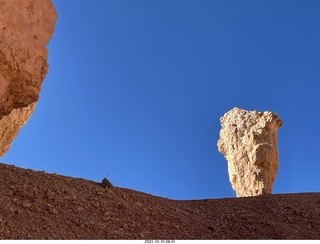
<point>53,211</point>
<point>26,205</point>
<point>12,187</point>
<point>123,206</point>
<point>10,193</point>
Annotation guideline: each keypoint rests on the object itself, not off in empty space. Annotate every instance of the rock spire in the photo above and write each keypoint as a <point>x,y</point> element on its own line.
<point>248,140</point>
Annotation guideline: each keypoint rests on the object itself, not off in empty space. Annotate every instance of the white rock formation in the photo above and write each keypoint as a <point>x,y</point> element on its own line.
<point>248,139</point>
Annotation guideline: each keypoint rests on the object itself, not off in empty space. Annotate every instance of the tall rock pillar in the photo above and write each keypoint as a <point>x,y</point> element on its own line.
<point>248,140</point>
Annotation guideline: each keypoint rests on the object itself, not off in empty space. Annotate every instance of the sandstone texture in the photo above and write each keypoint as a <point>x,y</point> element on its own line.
<point>25,29</point>
<point>248,139</point>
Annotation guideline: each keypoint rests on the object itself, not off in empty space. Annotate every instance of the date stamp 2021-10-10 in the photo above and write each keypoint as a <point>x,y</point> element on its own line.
<point>159,241</point>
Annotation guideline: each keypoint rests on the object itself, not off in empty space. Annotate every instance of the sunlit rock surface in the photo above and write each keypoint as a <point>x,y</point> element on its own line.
<point>248,139</point>
<point>25,29</point>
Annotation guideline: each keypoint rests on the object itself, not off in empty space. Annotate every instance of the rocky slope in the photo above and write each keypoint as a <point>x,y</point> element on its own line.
<point>37,205</point>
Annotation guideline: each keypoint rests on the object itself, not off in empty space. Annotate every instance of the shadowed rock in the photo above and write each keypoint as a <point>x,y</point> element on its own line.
<point>248,139</point>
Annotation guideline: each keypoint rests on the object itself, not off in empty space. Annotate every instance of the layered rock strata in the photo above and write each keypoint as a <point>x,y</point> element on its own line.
<point>25,29</point>
<point>248,140</point>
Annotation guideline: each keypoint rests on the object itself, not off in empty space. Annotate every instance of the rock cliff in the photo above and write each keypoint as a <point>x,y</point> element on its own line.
<point>25,29</point>
<point>248,139</point>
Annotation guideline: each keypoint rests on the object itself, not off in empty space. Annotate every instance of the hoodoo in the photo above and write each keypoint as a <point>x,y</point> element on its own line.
<point>248,140</point>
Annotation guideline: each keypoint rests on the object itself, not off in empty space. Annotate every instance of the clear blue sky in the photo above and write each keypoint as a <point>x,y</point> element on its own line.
<point>135,91</point>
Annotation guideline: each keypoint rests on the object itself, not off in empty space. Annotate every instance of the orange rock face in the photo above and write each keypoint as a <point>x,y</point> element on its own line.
<point>25,29</point>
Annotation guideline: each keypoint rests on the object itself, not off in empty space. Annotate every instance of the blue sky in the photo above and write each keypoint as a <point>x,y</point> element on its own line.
<point>135,91</point>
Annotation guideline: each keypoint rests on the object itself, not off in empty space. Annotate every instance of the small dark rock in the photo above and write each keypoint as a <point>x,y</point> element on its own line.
<point>211,228</point>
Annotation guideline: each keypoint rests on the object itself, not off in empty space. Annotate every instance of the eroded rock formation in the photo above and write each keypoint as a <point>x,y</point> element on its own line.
<point>25,29</point>
<point>248,139</point>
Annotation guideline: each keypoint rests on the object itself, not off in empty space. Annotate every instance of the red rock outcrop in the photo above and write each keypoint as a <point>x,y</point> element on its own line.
<point>25,29</point>
<point>248,139</point>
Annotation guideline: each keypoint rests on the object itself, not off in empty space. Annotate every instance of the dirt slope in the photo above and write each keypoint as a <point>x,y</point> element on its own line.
<point>37,205</point>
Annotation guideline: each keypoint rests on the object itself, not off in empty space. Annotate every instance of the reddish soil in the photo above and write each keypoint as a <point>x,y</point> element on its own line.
<point>37,205</point>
